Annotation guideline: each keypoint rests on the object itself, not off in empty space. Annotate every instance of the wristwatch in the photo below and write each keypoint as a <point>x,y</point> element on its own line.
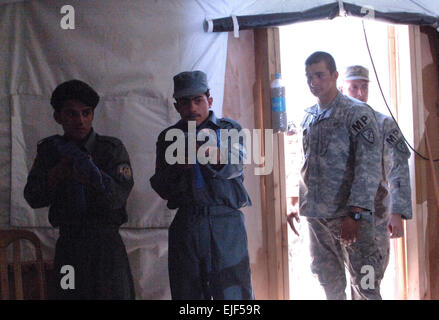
<point>355,215</point>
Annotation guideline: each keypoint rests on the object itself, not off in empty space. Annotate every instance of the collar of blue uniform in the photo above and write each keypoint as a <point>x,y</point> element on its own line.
<point>210,119</point>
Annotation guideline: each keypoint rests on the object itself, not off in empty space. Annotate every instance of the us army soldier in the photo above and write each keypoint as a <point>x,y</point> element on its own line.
<point>393,198</point>
<point>339,181</point>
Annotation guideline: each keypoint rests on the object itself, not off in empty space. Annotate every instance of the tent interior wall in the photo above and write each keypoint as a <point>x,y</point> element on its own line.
<point>241,71</point>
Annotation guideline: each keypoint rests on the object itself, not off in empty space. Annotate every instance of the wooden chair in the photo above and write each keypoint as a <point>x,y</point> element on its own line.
<point>14,236</point>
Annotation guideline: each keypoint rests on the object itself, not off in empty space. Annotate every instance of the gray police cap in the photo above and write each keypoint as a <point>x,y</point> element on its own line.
<point>189,83</point>
<point>356,73</point>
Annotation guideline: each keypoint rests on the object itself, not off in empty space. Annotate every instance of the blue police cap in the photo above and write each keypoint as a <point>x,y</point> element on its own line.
<point>189,83</point>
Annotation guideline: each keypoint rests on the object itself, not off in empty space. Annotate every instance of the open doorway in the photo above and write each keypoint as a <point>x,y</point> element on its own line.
<point>344,39</point>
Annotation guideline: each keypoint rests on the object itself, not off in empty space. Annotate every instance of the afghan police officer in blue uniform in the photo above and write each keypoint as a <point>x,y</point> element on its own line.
<point>85,178</point>
<point>208,252</point>
<point>339,181</point>
<point>393,199</point>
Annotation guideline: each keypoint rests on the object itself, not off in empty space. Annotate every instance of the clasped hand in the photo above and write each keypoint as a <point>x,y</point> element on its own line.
<point>75,163</point>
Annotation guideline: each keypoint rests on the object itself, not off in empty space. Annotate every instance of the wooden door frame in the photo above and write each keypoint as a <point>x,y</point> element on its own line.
<point>273,186</point>
<point>416,279</point>
<point>416,242</point>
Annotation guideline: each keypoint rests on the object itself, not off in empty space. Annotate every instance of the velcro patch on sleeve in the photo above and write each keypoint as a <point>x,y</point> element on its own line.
<point>369,135</point>
<point>402,147</point>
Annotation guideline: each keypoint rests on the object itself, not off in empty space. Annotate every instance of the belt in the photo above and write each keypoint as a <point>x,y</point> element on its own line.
<point>208,209</point>
<point>87,230</point>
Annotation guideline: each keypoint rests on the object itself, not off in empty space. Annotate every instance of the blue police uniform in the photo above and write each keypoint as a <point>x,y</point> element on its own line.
<point>208,252</point>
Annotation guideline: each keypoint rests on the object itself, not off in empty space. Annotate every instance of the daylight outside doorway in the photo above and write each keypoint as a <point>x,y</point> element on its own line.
<point>344,39</point>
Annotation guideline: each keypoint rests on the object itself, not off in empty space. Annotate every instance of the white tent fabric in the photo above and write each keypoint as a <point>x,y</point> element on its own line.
<point>259,14</point>
<point>128,63</point>
<point>128,51</point>
<point>255,7</point>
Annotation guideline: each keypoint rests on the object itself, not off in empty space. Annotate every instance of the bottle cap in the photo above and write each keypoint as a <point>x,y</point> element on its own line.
<point>277,75</point>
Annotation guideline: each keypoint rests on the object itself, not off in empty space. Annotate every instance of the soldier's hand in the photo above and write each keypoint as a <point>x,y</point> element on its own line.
<point>62,170</point>
<point>395,226</point>
<point>349,231</point>
<point>215,152</point>
<point>293,214</point>
<point>80,177</point>
<point>87,173</point>
<point>218,154</point>
<point>290,218</point>
<point>70,151</point>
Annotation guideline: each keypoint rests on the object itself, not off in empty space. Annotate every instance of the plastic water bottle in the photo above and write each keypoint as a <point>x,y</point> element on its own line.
<point>278,106</point>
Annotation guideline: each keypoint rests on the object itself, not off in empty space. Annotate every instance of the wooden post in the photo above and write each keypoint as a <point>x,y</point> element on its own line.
<point>417,252</point>
<point>267,50</point>
<point>394,78</point>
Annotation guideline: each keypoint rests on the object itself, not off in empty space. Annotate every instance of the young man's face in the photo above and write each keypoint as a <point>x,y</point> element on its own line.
<point>358,89</point>
<point>194,108</point>
<point>321,82</point>
<point>75,118</point>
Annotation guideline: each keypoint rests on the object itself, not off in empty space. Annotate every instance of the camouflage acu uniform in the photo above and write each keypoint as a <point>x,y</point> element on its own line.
<point>342,168</point>
<point>394,193</point>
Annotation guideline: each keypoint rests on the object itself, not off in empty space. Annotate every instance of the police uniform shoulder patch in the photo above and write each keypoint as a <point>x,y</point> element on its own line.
<point>124,171</point>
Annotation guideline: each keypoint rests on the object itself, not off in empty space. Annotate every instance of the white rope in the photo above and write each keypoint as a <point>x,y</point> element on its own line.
<point>235,26</point>
<point>342,11</point>
<point>209,25</point>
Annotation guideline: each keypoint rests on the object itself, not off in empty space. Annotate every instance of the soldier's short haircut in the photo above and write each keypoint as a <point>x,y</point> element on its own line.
<point>318,56</point>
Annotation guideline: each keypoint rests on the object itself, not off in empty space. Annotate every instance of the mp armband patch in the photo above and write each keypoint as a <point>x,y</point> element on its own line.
<point>124,172</point>
<point>393,137</point>
<point>360,126</point>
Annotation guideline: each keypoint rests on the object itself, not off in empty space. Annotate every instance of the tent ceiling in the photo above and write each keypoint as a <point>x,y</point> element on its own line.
<point>256,7</point>
<point>259,13</point>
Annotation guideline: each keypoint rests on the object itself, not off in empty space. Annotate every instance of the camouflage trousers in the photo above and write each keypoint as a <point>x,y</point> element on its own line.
<point>382,237</point>
<point>329,259</point>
